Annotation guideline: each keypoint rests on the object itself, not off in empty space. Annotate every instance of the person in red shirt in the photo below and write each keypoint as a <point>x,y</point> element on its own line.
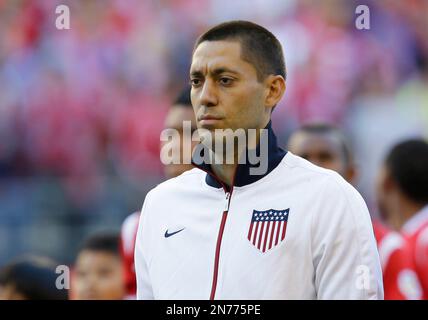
<point>399,276</point>
<point>180,111</point>
<point>327,147</point>
<point>403,199</point>
<point>128,236</point>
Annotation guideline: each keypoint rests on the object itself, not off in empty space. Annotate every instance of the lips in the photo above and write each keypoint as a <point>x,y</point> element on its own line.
<point>209,121</point>
<point>209,117</point>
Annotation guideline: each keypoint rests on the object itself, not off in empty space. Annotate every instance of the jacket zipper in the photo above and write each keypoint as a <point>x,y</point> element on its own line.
<point>218,246</point>
<point>221,230</point>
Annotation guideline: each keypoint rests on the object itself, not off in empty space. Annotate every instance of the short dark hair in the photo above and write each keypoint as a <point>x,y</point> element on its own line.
<point>104,241</point>
<point>258,45</point>
<point>325,128</point>
<point>407,163</point>
<point>183,98</point>
<point>34,277</point>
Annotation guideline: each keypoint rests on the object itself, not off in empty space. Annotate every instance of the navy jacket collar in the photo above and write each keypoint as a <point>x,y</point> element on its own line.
<point>242,174</point>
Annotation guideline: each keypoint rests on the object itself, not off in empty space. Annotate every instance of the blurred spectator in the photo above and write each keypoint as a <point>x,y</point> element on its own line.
<point>30,278</point>
<point>98,271</point>
<point>181,111</point>
<point>402,192</point>
<point>325,146</point>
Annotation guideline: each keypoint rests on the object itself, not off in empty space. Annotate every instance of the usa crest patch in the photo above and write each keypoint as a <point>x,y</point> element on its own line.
<point>267,228</point>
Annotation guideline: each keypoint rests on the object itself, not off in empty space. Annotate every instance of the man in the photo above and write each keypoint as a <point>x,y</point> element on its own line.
<point>180,111</point>
<point>279,228</point>
<point>402,192</point>
<point>327,147</point>
<point>30,278</point>
<point>98,272</point>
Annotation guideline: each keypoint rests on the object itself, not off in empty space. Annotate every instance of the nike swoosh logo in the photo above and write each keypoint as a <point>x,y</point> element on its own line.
<point>172,233</point>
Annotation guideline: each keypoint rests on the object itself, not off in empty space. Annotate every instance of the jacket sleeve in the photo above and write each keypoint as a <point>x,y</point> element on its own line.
<point>142,246</point>
<point>345,256</point>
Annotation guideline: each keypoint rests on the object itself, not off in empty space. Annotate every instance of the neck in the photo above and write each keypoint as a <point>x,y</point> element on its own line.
<point>225,170</point>
<point>259,160</point>
<point>405,210</point>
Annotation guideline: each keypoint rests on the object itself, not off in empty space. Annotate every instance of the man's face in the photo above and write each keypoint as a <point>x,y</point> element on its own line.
<point>174,121</point>
<point>323,150</point>
<point>225,90</point>
<point>98,276</point>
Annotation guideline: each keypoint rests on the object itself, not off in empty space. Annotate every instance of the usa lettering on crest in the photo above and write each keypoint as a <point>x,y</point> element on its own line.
<point>267,228</point>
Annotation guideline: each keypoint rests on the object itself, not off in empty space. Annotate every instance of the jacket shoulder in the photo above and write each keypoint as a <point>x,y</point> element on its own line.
<point>314,174</point>
<point>185,180</point>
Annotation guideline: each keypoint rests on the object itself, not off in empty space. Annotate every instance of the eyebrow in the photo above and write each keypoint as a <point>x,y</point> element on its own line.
<point>216,72</point>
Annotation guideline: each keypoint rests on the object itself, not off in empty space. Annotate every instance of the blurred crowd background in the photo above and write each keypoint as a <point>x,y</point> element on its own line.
<point>81,110</point>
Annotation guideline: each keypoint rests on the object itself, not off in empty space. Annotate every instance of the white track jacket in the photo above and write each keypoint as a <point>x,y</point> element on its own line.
<point>297,232</point>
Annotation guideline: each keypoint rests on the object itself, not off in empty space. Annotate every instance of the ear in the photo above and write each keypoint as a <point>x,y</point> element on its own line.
<point>275,89</point>
<point>389,184</point>
<point>351,174</point>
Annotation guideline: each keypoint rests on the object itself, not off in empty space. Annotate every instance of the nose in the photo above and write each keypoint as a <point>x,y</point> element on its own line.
<point>208,95</point>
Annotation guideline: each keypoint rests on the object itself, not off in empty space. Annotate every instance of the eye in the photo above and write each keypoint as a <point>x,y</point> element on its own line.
<point>80,273</point>
<point>325,156</point>
<point>104,272</point>
<point>195,82</point>
<point>226,81</point>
